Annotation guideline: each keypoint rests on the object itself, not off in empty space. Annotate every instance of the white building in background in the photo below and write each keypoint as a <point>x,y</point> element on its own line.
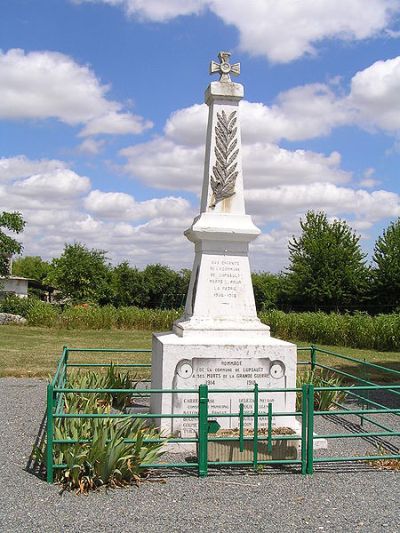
<point>14,285</point>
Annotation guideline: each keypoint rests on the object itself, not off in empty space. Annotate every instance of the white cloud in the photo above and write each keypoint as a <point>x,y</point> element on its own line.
<point>154,10</point>
<point>116,124</point>
<point>41,85</point>
<point>282,31</point>
<point>91,146</point>
<point>301,113</point>
<point>267,164</point>
<point>163,164</point>
<point>59,207</point>
<point>59,183</point>
<point>368,180</point>
<point>122,206</point>
<point>176,160</point>
<point>375,95</point>
<point>22,167</point>
<point>273,202</point>
<point>280,184</point>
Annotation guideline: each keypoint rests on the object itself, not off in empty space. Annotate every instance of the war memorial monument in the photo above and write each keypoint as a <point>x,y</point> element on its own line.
<point>219,340</point>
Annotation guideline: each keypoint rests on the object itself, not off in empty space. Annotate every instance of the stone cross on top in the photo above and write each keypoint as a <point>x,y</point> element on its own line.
<point>224,68</point>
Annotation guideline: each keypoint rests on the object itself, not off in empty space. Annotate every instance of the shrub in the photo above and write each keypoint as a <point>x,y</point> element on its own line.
<point>42,314</point>
<point>111,379</point>
<point>359,330</point>
<point>106,459</point>
<point>323,400</point>
<point>114,452</point>
<point>16,306</point>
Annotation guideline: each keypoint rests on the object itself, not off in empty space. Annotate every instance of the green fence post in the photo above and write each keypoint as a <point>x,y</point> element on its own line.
<point>313,354</point>
<point>241,428</point>
<point>269,441</point>
<point>50,431</point>
<point>310,429</point>
<point>203,431</point>
<point>255,428</point>
<point>304,395</point>
<point>66,353</point>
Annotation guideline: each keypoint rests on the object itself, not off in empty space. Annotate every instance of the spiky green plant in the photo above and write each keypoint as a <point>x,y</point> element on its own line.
<point>323,400</point>
<point>109,452</point>
<point>111,379</point>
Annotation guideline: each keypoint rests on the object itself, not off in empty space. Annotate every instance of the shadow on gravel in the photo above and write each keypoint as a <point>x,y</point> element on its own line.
<point>33,465</point>
<point>377,442</point>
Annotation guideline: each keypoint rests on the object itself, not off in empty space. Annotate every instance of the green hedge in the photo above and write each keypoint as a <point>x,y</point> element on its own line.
<point>359,330</point>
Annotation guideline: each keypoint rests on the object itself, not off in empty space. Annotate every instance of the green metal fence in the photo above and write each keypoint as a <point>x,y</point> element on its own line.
<point>367,410</point>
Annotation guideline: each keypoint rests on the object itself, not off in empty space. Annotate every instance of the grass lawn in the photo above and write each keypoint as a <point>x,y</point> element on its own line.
<point>33,351</point>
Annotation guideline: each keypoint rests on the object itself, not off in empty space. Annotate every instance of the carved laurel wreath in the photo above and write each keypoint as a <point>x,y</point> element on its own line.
<point>224,171</point>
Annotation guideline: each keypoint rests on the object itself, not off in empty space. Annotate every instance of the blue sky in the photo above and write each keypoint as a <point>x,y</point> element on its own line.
<point>102,121</point>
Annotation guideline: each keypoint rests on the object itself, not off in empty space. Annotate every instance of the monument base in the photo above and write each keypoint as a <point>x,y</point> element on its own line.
<point>224,362</point>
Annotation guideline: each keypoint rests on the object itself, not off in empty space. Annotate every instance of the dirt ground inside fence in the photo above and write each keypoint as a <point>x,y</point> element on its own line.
<point>338,497</point>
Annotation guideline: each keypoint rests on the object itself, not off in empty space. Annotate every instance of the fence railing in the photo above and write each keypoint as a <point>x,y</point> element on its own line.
<point>367,410</point>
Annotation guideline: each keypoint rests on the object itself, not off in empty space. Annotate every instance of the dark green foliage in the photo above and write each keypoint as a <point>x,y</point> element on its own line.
<point>323,400</point>
<point>164,287</point>
<point>81,275</point>
<point>358,330</point>
<point>127,286</point>
<point>327,267</point>
<point>16,306</point>
<point>104,457</point>
<point>267,290</point>
<point>386,274</point>
<point>31,266</point>
<point>14,223</point>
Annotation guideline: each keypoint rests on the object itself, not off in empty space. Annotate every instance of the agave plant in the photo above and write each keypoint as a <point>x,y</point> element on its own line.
<point>115,455</point>
<point>324,400</point>
<point>112,379</point>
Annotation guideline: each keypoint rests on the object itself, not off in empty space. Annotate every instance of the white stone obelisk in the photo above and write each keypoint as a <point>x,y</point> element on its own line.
<point>220,340</point>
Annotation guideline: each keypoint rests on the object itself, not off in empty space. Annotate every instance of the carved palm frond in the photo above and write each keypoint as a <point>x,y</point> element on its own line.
<point>224,175</point>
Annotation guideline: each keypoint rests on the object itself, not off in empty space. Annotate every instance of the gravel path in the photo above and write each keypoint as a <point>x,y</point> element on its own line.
<point>353,497</point>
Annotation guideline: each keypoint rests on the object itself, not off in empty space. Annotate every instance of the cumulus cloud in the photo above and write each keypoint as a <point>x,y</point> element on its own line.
<point>61,182</point>
<point>280,184</point>
<point>91,146</point>
<point>116,124</point>
<point>154,10</point>
<point>335,200</point>
<point>175,161</point>
<point>284,31</point>
<point>375,95</point>
<point>59,206</point>
<point>41,85</point>
<point>122,206</point>
<point>163,164</point>
<point>281,31</point>
<point>22,167</point>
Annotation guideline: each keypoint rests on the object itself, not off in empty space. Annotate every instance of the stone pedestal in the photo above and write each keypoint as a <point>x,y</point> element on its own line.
<point>223,362</point>
<point>219,340</point>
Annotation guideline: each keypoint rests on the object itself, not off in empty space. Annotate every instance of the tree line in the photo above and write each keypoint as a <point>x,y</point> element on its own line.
<point>327,271</point>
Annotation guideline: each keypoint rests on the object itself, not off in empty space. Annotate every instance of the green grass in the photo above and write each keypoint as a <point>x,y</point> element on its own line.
<point>34,351</point>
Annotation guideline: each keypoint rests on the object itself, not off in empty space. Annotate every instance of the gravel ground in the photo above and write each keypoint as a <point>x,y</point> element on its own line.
<point>338,497</point>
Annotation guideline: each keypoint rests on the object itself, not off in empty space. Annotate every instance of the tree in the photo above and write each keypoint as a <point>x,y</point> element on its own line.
<point>327,267</point>
<point>267,288</point>
<point>13,222</point>
<point>31,266</point>
<point>163,286</point>
<point>82,275</point>
<point>386,274</point>
<point>127,285</point>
